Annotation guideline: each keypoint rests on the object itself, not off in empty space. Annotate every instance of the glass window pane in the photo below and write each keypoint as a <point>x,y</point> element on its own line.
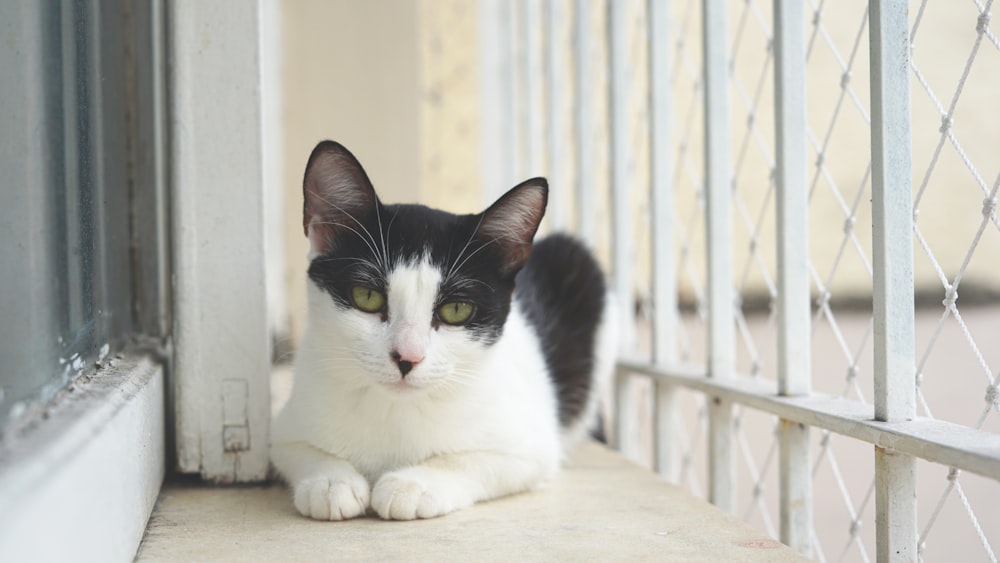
<point>65,261</point>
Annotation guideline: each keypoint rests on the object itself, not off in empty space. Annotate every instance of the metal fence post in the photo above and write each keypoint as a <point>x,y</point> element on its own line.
<point>534,89</point>
<point>621,210</point>
<point>718,191</point>
<point>892,253</point>
<point>664,263</point>
<point>497,107</point>
<point>792,242</point>
<point>558,143</point>
<point>586,155</point>
<point>518,99</point>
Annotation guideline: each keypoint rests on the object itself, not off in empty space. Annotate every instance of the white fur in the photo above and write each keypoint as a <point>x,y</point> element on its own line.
<point>468,423</point>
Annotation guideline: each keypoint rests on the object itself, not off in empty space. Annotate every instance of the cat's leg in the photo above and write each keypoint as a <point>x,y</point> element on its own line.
<point>324,487</point>
<point>446,483</point>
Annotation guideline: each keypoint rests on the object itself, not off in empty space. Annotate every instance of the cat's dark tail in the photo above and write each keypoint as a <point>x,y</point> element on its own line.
<point>563,294</point>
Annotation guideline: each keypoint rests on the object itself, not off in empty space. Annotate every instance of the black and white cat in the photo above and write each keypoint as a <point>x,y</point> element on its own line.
<point>447,358</point>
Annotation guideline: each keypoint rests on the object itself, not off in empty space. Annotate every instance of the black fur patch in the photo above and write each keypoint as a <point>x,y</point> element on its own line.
<point>410,232</point>
<point>562,291</point>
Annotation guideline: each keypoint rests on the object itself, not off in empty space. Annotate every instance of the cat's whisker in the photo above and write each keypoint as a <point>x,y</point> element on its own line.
<point>388,230</point>
<point>456,383</point>
<point>466,282</point>
<point>355,231</point>
<point>385,249</point>
<point>350,258</point>
<point>476,251</point>
<point>451,386</point>
<point>464,248</point>
<point>368,274</point>
<point>353,218</point>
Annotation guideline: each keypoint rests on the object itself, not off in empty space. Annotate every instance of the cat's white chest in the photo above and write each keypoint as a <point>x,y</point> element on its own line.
<point>378,434</point>
<point>506,405</point>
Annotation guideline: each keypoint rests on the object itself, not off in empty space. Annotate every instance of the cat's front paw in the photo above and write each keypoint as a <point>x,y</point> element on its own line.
<point>413,493</point>
<point>332,497</point>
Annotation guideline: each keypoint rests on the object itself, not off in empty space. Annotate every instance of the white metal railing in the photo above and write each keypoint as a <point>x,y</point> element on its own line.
<point>637,152</point>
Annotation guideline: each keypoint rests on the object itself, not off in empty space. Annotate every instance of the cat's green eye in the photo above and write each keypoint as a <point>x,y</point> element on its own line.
<point>367,299</point>
<point>455,312</point>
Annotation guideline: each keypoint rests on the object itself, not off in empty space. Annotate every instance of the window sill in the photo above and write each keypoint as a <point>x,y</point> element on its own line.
<point>80,483</point>
<point>600,508</point>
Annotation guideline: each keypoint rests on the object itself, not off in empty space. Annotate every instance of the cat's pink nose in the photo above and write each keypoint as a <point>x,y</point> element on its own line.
<point>404,363</point>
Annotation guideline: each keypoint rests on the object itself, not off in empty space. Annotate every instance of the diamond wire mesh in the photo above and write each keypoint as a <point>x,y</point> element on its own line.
<point>751,82</point>
<point>839,123</point>
<point>954,168</point>
<point>841,266</point>
<point>753,200</point>
<point>686,84</point>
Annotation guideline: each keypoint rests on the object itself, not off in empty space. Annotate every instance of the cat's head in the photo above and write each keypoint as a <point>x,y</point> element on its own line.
<point>413,296</point>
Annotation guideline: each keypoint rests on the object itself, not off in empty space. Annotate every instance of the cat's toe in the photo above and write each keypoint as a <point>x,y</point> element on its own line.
<point>332,498</point>
<point>399,498</point>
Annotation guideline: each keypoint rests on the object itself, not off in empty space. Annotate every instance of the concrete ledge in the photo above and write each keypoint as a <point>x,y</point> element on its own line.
<point>602,508</point>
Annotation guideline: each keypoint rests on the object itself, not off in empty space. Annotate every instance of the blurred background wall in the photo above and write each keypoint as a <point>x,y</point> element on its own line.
<point>396,82</point>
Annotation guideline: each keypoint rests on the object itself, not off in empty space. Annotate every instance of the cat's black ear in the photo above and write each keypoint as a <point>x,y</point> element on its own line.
<point>337,195</point>
<point>513,220</point>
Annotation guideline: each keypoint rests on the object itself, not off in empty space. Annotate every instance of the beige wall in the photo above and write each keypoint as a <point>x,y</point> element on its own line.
<point>394,81</point>
<point>449,108</point>
<point>351,73</point>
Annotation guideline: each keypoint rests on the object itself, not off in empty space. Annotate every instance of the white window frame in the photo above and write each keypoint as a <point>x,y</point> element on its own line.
<point>222,349</point>
<point>80,482</point>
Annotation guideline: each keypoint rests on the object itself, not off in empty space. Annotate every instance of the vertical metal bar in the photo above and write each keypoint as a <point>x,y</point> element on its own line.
<point>496,78</point>
<point>585,124</point>
<point>518,98</point>
<point>626,421</point>
<point>534,88</point>
<point>665,413</point>
<point>895,507</point>
<point>721,462</point>
<point>557,114</point>
<point>621,172</point>
<point>621,207</point>
<point>892,210</point>
<point>795,478</point>
<point>792,218</point>
<point>664,263</point>
<point>892,254</point>
<point>718,173</point>
<point>792,210</point>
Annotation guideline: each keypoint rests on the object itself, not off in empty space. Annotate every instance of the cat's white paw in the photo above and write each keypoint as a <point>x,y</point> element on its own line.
<point>332,497</point>
<point>413,493</point>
